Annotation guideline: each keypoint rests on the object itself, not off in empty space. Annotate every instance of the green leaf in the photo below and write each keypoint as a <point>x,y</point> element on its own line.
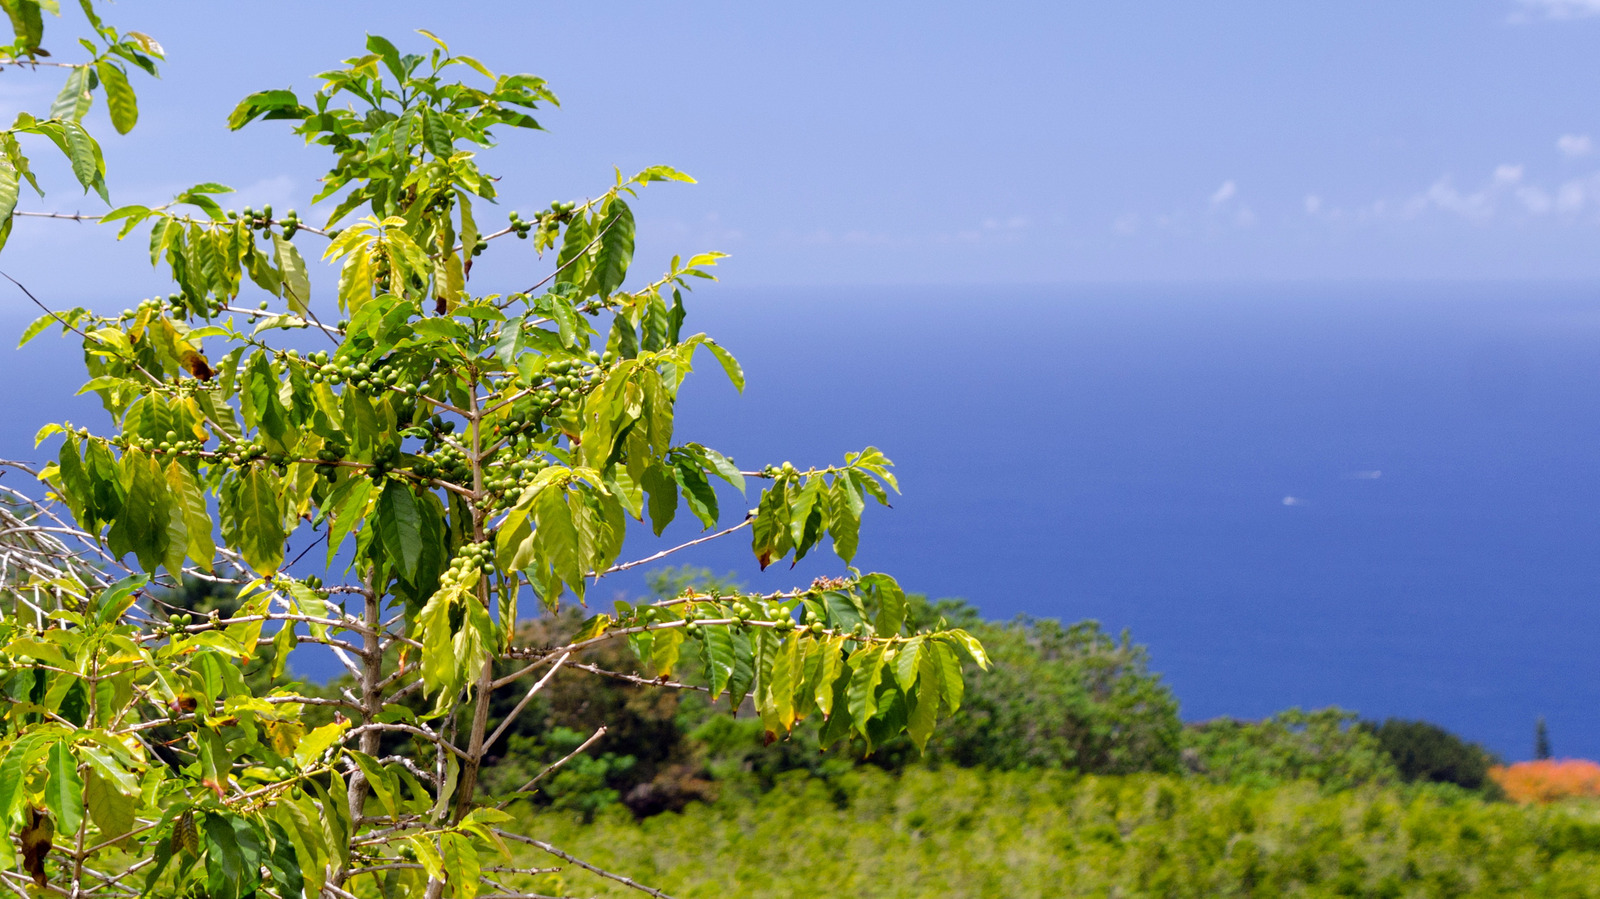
<point>348,503</point>
<point>436,135</point>
<point>844,518</point>
<point>729,364</point>
<point>112,810</point>
<point>970,645</point>
<point>697,491</point>
<point>399,526</point>
<point>571,262</point>
<point>380,779</point>
<point>662,487</point>
<point>63,793</point>
<point>284,863</point>
<point>9,187</point>
<point>428,856</point>
<point>867,665</point>
<point>26,22</point>
<point>73,101</point>
<point>616,248</point>
<point>19,760</point>
<point>119,97</point>
<point>556,538</point>
<point>832,664</point>
<point>433,624</point>
<point>311,748</point>
<point>141,524</point>
<point>296,279</point>
<point>84,154</point>
<point>906,663</point>
<point>460,864</point>
<point>891,601</point>
<point>664,651</point>
<point>191,503</point>
<point>35,328</point>
<point>260,523</point>
<point>274,104</point>
<point>225,864</point>
<point>786,676</point>
<point>930,690</point>
<point>950,683</point>
<point>805,516</point>
<point>386,52</point>
<point>717,650</point>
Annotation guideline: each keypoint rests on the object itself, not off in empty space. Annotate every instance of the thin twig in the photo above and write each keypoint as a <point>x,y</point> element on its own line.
<point>527,697</point>
<point>553,766</point>
<point>619,878</point>
<point>667,552</point>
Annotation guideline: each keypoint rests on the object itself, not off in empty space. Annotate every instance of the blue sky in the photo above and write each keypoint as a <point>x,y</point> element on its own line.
<point>914,143</point>
<point>998,151</point>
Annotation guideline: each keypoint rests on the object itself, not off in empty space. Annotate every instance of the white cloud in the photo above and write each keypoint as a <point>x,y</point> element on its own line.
<point>1571,197</point>
<point>1534,199</point>
<point>1313,204</point>
<point>1224,193</point>
<point>1126,224</point>
<point>1574,145</point>
<point>1505,193</point>
<point>1555,9</point>
<point>1475,207</point>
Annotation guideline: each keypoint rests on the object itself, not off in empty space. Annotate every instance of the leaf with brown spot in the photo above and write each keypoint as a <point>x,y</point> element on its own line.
<point>36,844</point>
<point>184,835</point>
<point>196,364</point>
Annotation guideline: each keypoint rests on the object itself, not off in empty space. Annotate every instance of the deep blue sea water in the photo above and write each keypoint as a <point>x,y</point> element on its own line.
<point>1380,496</point>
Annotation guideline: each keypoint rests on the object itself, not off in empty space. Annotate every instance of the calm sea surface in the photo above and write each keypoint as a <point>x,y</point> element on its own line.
<point>1383,497</point>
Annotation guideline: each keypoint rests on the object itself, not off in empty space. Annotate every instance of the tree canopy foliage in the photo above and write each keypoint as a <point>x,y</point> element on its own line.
<point>462,460</point>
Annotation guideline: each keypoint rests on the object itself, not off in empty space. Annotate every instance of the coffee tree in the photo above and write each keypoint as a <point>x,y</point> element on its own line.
<point>465,459</point>
<point>110,54</point>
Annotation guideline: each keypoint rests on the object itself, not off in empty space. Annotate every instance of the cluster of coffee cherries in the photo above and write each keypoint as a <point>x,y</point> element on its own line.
<point>383,458</point>
<point>243,452</point>
<point>568,378</point>
<point>548,223</point>
<point>173,304</point>
<point>263,220</point>
<point>170,442</point>
<point>365,377</point>
<point>503,491</point>
<point>178,621</point>
<point>327,459</point>
<point>520,425</point>
<point>448,463</point>
<point>470,556</point>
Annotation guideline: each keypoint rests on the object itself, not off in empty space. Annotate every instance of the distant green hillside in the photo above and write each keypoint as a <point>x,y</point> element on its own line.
<point>1018,834</point>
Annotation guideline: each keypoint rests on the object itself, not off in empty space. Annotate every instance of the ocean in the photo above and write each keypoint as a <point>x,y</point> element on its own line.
<point>1381,496</point>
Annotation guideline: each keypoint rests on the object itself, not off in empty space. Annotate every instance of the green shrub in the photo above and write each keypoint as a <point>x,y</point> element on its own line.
<point>1058,696</point>
<point>1323,745</point>
<point>1427,752</point>
<point>1024,834</point>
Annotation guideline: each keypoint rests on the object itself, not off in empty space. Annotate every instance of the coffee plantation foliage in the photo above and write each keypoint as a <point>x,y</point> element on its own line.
<point>1055,697</point>
<point>461,458</point>
<point>1020,834</point>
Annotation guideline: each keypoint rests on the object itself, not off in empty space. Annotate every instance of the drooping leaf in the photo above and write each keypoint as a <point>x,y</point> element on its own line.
<point>119,96</point>
<point>72,103</point>
<point>461,865</point>
<point>867,672</point>
<point>399,525</point>
<point>259,521</point>
<point>63,794</point>
<point>616,248</point>
<point>296,279</point>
